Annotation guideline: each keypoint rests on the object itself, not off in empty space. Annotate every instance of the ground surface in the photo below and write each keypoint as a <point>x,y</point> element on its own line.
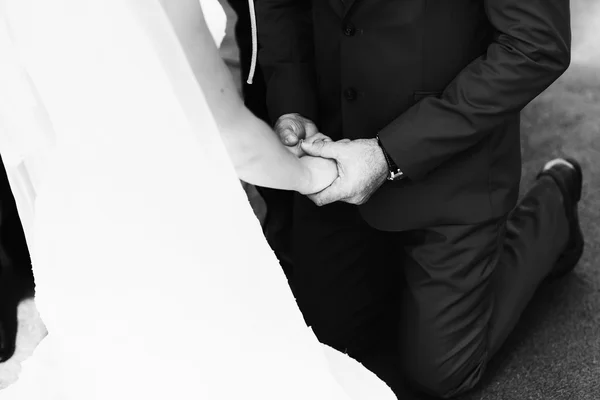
<point>555,351</point>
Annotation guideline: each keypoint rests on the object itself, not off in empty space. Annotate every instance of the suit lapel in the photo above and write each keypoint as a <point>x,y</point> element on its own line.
<point>338,6</point>
<point>342,7</point>
<point>347,6</point>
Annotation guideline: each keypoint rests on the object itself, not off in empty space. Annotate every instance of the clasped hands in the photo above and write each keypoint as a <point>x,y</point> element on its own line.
<point>360,164</point>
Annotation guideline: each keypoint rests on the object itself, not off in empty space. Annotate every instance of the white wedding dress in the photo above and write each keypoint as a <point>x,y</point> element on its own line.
<point>153,277</point>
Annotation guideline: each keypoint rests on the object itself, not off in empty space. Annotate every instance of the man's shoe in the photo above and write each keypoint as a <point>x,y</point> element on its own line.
<point>569,178</point>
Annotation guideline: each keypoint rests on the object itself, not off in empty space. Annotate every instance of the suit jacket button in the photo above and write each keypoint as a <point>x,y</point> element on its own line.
<point>349,30</point>
<point>350,94</point>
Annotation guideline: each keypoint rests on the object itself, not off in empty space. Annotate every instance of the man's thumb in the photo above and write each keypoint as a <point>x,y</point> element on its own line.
<point>320,148</point>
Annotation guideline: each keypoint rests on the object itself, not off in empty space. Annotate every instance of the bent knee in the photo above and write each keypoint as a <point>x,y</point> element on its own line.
<point>444,380</point>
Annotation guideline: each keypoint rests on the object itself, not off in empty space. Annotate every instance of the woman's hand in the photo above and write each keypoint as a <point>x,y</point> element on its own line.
<point>321,172</point>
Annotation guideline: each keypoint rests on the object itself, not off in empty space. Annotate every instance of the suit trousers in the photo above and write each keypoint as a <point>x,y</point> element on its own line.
<point>428,306</point>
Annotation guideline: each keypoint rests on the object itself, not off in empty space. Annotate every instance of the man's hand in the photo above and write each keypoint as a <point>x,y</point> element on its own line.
<point>362,169</point>
<point>292,128</point>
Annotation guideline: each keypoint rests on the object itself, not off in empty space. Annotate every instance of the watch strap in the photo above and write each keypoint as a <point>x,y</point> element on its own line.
<point>395,172</point>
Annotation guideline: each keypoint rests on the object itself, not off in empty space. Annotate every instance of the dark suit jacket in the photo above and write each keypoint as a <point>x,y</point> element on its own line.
<point>441,81</point>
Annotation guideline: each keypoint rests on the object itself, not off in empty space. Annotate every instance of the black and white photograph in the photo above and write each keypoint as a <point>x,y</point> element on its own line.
<point>300,199</point>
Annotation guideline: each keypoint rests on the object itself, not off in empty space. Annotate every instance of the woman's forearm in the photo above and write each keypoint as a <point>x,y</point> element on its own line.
<point>257,155</point>
<point>260,159</point>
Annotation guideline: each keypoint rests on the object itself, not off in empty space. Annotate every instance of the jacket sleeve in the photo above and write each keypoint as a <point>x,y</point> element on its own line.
<point>286,57</point>
<point>530,50</point>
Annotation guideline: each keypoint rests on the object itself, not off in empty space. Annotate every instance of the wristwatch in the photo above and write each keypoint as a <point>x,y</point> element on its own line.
<point>395,174</point>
